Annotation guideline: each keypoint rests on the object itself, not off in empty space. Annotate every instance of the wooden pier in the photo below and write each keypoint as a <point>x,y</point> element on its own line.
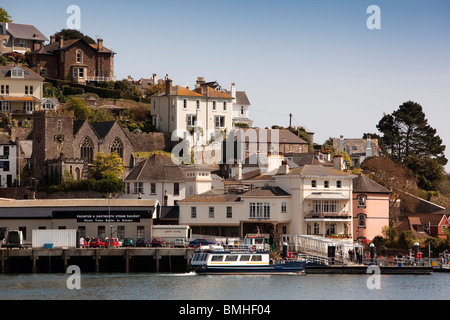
<point>40,260</point>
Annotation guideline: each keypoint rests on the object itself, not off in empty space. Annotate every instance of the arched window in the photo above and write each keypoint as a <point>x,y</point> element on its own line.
<point>117,146</point>
<point>362,200</point>
<point>362,220</point>
<point>87,150</point>
<point>79,56</point>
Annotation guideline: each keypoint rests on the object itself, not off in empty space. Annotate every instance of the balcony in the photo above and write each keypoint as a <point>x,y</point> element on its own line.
<point>328,215</point>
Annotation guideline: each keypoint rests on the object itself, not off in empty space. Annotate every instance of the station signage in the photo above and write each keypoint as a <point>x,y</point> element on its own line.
<point>103,216</point>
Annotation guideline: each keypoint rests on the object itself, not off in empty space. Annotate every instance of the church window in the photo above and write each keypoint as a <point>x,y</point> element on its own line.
<point>87,150</point>
<point>117,146</point>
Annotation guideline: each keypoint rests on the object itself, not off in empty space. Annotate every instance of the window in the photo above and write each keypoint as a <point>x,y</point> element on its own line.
<point>219,121</point>
<point>80,72</point>
<point>331,228</point>
<point>339,184</point>
<point>87,150</point>
<point>326,184</point>
<point>59,126</point>
<point>259,210</point>
<point>229,212</point>
<point>362,220</point>
<point>140,232</point>
<point>82,231</point>
<point>313,184</point>
<point>31,89</point>
<point>101,231</point>
<point>127,188</point>
<point>191,119</point>
<point>198,104</point>
<point>283,207</point>
<point>117,146</point>
<point>4,89</point>
<point>211,212</point>
<point>5,166</point>
<point>22,43</point>
<point>138,187</point>
<point>48,105</point>
<point>224,106</point>
<point>120,232</point>
<point>176,188</point>
<point>75,73</point>
<point>184,103</point>
<point>28,106</point>
<point>5,42</point>
<point>26,89</point>
<point>325,206</point>
<point>217,258</point>
<point>242,110</point>
<point>256,257</point>
<point>316,228</point>
<point>214,105</point>
<point>231,257</point>
<point>245,258</point>
<point>79,57</point>
<point>152,188</point>
<point>193,212</point>
<point>5,106</point>
<point>362,200</point>
<point>6,151</point>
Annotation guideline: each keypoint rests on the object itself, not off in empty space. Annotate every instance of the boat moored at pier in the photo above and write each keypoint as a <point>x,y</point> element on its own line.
<point>245,259</point>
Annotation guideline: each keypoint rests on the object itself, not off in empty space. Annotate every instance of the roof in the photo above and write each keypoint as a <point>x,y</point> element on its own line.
<point>52,47</point>
<point>25,31</point>
<point>157,167</point>
<point>363,184</point>
<point>310,158</point>
<point>182,91</point>
<point>266,192</point>
<point>284,136</point>
<point>212,197</point>
<point>36,203</point>
<point>28,74</point>
<point>102,128</point>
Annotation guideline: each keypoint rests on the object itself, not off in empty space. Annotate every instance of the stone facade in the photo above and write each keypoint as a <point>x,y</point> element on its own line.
<point>60,144</point>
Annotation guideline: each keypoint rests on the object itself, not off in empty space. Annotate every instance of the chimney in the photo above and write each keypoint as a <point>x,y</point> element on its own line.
<point>200,81</point>
<point>155,79</point>
<point>341,143</point>
<point>52,38</point>
<point>168,85</point>
<point>338,162</point>
<point>239,171</point>
<point>233,90</point>
<point>61,42</point>
<point>99,44</point>
<point>284,168</point>
<point>368,146</point>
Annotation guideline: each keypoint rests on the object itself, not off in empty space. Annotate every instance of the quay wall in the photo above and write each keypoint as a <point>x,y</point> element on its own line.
<point>40,260</point>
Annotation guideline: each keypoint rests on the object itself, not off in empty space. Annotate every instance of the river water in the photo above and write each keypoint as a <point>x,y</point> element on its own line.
<point>189,286</point>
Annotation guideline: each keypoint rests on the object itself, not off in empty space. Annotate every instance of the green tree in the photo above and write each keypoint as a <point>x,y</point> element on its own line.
<point>407,136</point>
<point>4,16</point>
<point>80,108</point>
<point>69,34</point>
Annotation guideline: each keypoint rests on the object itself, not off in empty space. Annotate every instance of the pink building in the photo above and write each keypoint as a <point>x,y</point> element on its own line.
<point>370,208</point>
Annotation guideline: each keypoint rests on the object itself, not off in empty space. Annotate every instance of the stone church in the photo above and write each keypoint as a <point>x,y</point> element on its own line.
<point>61,143</point>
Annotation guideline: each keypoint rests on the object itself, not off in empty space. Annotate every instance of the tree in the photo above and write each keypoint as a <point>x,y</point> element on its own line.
<point>80,108</point>
<point>395,177</point>
<point>69,34</point>
<point>407,137</point>
<point>107,166</point>
<point>4,16</point>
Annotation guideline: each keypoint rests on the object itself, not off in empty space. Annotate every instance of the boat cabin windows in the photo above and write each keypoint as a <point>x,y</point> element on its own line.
<point>256,257</point>
<point>217,258</point>
<point>200,257</point>
<point>231,257</point>
<point>245,258</point>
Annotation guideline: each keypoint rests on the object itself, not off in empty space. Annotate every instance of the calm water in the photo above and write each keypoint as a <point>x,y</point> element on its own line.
<point>159,286</point>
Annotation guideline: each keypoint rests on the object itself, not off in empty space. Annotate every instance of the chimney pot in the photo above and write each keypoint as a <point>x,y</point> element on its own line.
<point>99,44</point>
<point>61,42</point>
<point>52,38</point>
<point>168,85</point>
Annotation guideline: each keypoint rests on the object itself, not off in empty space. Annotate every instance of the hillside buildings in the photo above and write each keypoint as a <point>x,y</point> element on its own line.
<point>21,38</point>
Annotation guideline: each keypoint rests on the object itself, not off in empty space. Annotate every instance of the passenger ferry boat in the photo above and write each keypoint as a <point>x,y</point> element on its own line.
<point>250,258</point>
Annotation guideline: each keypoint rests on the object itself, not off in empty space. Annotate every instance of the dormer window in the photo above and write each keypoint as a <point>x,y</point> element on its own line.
<point>17,72</point>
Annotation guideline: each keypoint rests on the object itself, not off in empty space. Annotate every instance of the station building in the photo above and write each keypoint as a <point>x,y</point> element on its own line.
<point>124,218</point>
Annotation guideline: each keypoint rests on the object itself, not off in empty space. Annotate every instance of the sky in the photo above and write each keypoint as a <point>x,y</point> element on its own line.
<point>315,59</point>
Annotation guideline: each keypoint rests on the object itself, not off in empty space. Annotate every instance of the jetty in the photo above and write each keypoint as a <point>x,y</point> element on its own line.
<point>128,259</point>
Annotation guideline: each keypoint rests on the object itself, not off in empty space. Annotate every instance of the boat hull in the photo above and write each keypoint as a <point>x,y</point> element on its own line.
<point>297,267</point>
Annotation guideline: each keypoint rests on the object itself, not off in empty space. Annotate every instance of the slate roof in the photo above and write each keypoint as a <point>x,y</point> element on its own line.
<point>284,136</point>
<point>103,128</point>
<point>51,48</point>
<point>28,74</point>
<point>25,31</point>
<point>157,167</point>
<point>363,184</point>
<point>212,197</point>
<point>266,192</point>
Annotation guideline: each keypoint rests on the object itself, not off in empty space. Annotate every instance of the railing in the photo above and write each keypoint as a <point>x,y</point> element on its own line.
<point>99,78</point>
<point>322,215</point>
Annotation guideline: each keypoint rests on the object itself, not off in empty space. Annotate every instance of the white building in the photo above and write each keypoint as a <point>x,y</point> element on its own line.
<point>311,199</point>
<point>241,107</point>
<point>8,162</point>
<point>178,109</point>
<point>159,178</point>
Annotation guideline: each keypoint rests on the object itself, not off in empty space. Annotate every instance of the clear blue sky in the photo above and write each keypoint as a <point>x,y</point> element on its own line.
<point>314,59</point>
